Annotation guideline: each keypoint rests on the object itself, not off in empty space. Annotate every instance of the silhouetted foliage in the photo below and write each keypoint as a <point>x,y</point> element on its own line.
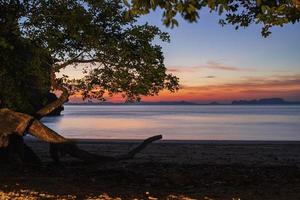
<point>24,75</point>
<point>121,55</point>
<point>240,13</point>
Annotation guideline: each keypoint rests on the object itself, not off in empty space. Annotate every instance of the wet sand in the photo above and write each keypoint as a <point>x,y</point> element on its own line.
<point>164,170</point>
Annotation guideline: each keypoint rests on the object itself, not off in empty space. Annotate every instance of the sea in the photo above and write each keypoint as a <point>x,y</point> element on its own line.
<point>179,122</point>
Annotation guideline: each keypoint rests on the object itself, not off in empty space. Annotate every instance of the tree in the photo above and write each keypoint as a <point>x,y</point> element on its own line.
<point>240,13</point>
<point>39,38</point>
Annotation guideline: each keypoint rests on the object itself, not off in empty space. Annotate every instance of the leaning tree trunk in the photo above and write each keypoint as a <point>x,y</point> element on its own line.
<point>11,140</point>
<point>14,125</point>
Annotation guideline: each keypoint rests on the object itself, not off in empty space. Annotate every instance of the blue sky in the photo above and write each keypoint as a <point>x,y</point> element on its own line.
<point>194,43</point>
<point>216,63</point>
<point>206,55</point>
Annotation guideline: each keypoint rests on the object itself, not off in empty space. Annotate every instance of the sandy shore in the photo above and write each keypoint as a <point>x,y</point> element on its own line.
<point>165,170</point>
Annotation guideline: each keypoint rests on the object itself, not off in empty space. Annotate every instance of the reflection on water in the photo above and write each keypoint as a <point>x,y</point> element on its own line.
<point>179,122</point>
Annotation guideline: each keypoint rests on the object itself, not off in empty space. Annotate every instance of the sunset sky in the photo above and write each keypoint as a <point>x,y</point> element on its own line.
<point>221,64</point>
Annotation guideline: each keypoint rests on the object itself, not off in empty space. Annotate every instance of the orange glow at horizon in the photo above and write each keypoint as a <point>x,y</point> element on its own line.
<point>218,82</point>
<point>253,88</point>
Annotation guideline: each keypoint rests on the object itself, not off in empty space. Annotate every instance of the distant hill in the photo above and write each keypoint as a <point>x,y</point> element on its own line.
<point>136,103</point>
<point>164,103</point>
<point>267,101</point>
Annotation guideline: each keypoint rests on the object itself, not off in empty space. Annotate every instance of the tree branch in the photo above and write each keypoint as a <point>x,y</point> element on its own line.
<point>65,94</point>
<point>46,110</point>
<point>139,148</point>
<point>74,61</point>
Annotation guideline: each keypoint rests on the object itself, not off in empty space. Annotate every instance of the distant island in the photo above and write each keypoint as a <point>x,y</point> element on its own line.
<point>266,101</point>
<point>136,103</point>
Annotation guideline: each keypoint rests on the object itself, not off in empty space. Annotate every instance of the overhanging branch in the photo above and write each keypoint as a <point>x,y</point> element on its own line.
<point>46,110</point>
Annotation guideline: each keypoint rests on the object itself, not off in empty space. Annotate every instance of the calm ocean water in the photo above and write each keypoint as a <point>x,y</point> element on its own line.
<point>179,122</point>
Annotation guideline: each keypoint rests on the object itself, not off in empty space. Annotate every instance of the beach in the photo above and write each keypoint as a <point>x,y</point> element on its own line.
<point>149,100</point>
<point>210,170</point>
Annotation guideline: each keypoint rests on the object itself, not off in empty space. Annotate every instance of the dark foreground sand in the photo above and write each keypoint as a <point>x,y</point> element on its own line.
<point>165,170</point>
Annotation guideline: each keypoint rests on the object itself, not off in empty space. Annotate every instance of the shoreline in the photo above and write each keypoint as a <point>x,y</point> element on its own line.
<point>215,170</point>
<point>197,152</point>
<point>248,153</point>
<point>164,141</point>
<point>254,142</point>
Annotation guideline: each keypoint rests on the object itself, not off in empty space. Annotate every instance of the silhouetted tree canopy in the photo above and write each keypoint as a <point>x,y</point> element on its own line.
<point>118,55</point>
<point>39,38</point>
<point>240,13</point>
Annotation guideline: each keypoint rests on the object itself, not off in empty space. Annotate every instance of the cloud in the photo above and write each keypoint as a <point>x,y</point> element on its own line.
<point>210,77</point>
<point>254,83</point>
<point>221,66</point>
<point>209,65</point>
<point>179,69</point>
<point>173,70</point>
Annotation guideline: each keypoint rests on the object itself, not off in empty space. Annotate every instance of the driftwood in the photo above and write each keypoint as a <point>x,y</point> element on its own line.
<point>15,124</point>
